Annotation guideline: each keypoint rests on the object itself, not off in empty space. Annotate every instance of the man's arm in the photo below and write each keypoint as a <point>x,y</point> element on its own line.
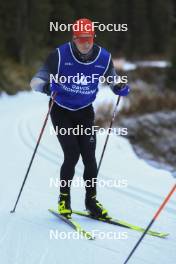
<point>41,80</point>
<point>117,87</point>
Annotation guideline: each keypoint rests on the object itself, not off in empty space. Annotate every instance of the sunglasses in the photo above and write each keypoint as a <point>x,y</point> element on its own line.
<point>84,39</point>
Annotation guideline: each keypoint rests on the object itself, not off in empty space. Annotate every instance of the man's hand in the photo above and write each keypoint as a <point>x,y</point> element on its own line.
<point>122,91</point>
<point>46,89</point>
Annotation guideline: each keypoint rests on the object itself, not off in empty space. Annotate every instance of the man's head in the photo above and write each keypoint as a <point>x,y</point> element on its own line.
<point>83,35</point>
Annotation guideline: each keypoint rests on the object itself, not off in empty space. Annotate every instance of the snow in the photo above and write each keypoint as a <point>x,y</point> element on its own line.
<point>25,235</point>
<point>157,64</point>
<point>105,97</point>
<point>125,65</point>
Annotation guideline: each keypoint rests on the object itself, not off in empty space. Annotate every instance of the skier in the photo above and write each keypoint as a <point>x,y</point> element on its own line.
<point>73,107</point>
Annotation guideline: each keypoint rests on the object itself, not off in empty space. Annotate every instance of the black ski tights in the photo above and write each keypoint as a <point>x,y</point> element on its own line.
<point>75,145</point>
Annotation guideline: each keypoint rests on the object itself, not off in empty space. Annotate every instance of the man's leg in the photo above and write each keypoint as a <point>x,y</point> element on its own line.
<point>87,145</point>
<point>69,143</point>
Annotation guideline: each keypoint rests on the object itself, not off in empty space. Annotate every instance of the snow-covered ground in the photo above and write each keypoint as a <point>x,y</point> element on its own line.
<point>25,235</point>
<point>128,66</point>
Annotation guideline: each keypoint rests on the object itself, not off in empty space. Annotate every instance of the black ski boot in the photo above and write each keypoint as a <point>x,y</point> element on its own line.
<point>95,208</point>
<point>64,206</point>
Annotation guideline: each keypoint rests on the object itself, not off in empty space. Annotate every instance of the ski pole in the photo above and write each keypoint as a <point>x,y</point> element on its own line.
<point>107,137</point>
<point>35,150</point>
<point>152,221</point>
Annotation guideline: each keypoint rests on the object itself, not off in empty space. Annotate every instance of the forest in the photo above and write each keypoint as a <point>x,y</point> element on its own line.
<point>26,38</point>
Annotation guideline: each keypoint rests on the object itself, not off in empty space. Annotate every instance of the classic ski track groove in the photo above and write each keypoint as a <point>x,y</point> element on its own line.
<point>129,193</point>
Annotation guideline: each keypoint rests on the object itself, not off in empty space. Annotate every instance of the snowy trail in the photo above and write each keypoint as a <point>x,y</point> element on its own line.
<point>24,236</point>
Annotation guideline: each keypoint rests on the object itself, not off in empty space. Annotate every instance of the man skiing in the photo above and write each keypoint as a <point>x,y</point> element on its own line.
<point>73,106</point>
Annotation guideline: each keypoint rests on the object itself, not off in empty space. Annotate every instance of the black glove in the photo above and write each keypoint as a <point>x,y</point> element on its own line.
<point>46,89</point>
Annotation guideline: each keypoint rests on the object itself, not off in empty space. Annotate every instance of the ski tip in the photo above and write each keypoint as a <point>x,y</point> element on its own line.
<point>160,235</point>
<point>165,235</point>
<point>76,225</point>
<point>90,237</point>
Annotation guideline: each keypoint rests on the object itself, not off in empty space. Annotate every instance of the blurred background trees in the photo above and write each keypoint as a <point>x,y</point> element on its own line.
<point>26,40</point>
